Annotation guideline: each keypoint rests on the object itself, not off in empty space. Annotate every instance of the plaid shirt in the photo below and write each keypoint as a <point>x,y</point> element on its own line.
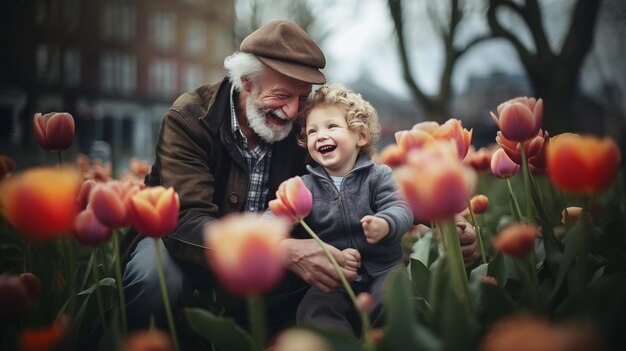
<point>258,160</point>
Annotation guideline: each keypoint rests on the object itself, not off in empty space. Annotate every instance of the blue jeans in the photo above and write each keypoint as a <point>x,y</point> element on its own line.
<point>142,288</point>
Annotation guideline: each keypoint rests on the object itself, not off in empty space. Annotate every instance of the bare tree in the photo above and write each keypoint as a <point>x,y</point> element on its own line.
<point>553,75</point>
<point>437,106</point>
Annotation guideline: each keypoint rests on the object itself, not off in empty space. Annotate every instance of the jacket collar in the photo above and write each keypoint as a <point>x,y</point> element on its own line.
<point>363,161</point>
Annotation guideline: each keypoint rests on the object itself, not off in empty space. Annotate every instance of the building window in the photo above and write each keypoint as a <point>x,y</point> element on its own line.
<point>71,67</point>
<point>118,72</point>
<point>118,22</point>
<point>162,26</point>
<point>195,38</point>
<point>47,62</point>
<point>163,77</point>
<point>193,77</point>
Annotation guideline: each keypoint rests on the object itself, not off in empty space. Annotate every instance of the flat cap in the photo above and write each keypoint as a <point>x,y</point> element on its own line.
<point>286,47</point>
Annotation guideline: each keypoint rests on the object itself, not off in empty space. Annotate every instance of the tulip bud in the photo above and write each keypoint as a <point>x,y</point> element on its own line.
<point>147,340</point>
<point>7,164</point>
<point>89,231</point>
<point>364,302</point>
<point>293,200</point>
<point>15,299</point>
<point>32,284</point>
<point>54,337</point>
<point>479,204</point>
<point>517,239</point>
<point>54,131</point>
<point>573,213</point>
<point>301,340</point>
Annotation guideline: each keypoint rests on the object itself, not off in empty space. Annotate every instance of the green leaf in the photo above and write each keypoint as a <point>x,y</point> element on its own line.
<point>223,332</point>
<point>422,249</point>
<point>497,269</point>
<point>572,248</point>
<point>402,331</point>
<point>420,275</point>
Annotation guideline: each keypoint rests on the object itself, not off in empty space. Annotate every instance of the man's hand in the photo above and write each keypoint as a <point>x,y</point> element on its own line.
<point>306,258</point>
<point>375,228</point>
<point>468,240</point>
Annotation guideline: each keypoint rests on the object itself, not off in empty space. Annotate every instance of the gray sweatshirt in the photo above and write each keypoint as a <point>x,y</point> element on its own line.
<point>368,189</point>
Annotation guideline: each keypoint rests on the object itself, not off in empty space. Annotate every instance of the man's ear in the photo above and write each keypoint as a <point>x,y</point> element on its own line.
<point>247,85</point>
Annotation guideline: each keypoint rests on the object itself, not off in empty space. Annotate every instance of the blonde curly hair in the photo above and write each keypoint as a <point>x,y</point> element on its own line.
<point>361,117</point>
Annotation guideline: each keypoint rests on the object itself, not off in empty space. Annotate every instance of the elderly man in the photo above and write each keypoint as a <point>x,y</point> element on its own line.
<point>225,148</point>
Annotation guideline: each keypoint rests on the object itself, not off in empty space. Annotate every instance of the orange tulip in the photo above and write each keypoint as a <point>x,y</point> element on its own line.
<point>479,204</point>
<point>582,164</point>
<point>293,200</point>
<point>573,213</point>
<point>47,338</point>
<point>392,155</point>
<point>147,340</point>
<point>110,202</point>
<point>54,131</point>
<point>88,230</point>
<point>434,182</point>
<point>155,211</point>
<point>452,129</point>
<point>516,239</point>
<point>243,250</point>
<point>6,166</point>
<point>41,202</point>
<point>502,166</point>
<point>520,118</point>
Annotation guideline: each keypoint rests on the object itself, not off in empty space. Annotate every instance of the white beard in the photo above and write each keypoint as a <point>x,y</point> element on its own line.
<point>270,133</point>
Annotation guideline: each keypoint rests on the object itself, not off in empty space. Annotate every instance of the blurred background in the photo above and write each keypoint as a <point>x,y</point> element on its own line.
<point>117,65</point>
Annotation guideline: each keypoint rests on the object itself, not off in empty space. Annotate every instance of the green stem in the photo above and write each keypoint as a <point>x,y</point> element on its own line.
<point>365,322</point>
<point>166,300</point>
<point>96,277</point>
<point>526,174</point>
<point>256,315</point>
<point>68,247</point>
<point>455,257</point>
<point>118,277</point>
<point>483,257</point>
<point>529,271</point>
<point>60,158</point>
<point>518,211</point>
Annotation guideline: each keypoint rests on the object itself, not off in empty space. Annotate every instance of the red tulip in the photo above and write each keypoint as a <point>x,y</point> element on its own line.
<point>479,203</point>
<point>582,164</point>
<point>155,211</point>
<point>110,202</point>
<point>243,250</point>
<point>88,230</point>
<point>41,202</point>
<point>47,338</point>
<point>54,131</point>
<point>293,200</point>
<point>517,239</point>
<point>147,340</point>
<point>502,166</point>
<point>520,118</point>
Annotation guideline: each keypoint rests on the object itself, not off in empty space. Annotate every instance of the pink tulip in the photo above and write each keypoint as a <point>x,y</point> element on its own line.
<point>54,131</point>
<point>155,211</point>
<point>243,250</point>
<point>293,200</point>
<point>110,202</point>
<point>502,166</point>
<point>453,129</point>
<point>520,118</point>
<point>88,230</point>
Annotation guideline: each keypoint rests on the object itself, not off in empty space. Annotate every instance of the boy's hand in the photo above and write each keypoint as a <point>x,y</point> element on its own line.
<point>352,259</point>
<point>375,228</point>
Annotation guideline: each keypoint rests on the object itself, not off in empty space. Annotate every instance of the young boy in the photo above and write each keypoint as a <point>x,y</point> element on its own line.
<point>356,203</point>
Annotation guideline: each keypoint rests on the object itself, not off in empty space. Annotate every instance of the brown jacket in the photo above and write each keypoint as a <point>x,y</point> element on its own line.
<point>195,155</point>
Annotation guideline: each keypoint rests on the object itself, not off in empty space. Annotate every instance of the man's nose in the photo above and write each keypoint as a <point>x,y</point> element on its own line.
<point>291,108</point>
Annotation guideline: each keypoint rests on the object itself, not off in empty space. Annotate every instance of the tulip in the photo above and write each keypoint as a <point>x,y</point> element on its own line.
<point>479,204</point>
<point>534,148</point>
<point>7,164</point>
<point>300,339</point>
<point>31,283</point>
<point>54,131</point>
<point>47,338</point>
<point>110,202</point>
<point>15,298</point>
<point>434,192</point>
<point>41,202</point>
<point>479,160</point>
<point>520,118</point>
<point>293,200</point>
<point>84,192</point>
<point>155,211</point>
<point>392,155</point>
<point>147,340</point>
<point>582,164</point>
<point>502,166</point>
<point>517,239</point>
<point>573,213</point>
<point>243,250</point>
<point>413,139</point>
<point>364,302</point>
<point>88,230</point>
<point>452,129</point>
